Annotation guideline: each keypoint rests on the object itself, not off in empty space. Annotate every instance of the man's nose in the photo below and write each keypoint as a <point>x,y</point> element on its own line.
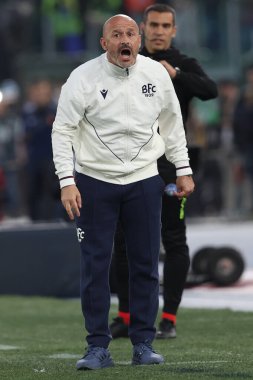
<point>124,42</point>
<point>159,29</point>
<point>124,39</point>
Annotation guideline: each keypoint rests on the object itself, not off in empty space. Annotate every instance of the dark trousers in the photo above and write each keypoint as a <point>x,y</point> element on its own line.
<point>176,262</point>
<point>138,207</point>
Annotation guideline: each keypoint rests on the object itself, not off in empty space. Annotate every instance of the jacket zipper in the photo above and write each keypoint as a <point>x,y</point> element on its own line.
<point>127,118</point>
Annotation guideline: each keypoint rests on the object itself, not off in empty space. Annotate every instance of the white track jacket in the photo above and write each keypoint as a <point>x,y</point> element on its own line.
<point>107,122</point>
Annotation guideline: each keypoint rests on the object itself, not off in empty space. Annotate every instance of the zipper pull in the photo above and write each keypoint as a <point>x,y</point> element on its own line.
<point>127,71</point>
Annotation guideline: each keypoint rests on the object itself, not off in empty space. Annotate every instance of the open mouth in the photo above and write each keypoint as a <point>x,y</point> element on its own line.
<point>125,52</point>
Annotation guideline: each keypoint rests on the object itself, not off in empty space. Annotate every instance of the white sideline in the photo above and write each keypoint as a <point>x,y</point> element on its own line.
<point>6,347</point>
<point>238,297</point>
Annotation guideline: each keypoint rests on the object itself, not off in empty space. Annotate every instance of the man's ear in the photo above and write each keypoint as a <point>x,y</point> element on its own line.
<point>175,32</point>
<point>103,43</point>
<point>142,26</point>
<point>139,41</point>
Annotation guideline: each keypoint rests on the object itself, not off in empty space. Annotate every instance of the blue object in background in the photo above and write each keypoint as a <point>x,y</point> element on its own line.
<point>170,189</point>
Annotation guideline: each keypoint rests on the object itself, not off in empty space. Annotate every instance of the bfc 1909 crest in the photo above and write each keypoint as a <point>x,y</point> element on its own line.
<point>148,89</point>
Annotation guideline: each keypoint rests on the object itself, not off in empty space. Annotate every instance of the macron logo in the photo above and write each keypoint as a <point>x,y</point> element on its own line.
<point>80,234</point>
<point>104,93</point>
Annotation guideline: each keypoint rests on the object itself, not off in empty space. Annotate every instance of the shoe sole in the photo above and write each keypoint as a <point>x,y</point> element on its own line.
<point>92,367</point>
<point>158,359</point>
<point>165,336</point>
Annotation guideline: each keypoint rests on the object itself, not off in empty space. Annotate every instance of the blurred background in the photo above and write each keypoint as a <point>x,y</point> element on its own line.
<point>41,41</point>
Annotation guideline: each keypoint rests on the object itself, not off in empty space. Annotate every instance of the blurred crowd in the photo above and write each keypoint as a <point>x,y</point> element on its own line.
<point>28,184</point>
<point>220,139</point>
<point>220,132</point>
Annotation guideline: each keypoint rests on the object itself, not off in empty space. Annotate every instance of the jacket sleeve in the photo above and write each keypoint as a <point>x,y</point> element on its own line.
<point>69,113</point>
<point>172,131</point>
<point>195,81</point>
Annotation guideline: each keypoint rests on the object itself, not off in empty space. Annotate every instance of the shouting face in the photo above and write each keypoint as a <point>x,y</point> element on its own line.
<point>121,40</point>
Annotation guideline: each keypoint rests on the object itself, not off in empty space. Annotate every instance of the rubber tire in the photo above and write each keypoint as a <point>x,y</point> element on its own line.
<point>200,262</point>
<point>226,266</point>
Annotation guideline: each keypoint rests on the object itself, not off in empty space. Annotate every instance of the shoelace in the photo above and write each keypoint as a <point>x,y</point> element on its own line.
<point>142,347</point>
<point>99,352</point>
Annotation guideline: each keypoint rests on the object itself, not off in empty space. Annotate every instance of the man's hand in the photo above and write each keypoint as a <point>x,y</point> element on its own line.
<point>185,186</point>
<point>71,200</point>
<point>171,70</point>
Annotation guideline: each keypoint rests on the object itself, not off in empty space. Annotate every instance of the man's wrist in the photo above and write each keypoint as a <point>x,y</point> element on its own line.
<point>178,72</point>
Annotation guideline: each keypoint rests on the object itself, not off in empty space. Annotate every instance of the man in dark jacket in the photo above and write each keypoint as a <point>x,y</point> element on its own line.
<point>38,114</point>
<point>189,79</point>
<point>242,125</point>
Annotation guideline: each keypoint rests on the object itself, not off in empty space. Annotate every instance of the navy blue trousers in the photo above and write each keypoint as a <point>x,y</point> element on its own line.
<point>138,207</point>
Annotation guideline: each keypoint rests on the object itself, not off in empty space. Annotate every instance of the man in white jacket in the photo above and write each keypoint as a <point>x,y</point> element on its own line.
<point>106,145</point>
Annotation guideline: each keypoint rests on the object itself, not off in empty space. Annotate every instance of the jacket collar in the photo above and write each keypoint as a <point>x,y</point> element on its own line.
<point>117,71</point>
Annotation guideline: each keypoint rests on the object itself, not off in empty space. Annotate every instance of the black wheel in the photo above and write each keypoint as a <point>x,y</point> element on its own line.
<point>226,266</point>
<point>201,260</point>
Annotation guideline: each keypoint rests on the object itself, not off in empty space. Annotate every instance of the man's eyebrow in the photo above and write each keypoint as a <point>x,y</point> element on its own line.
<point>120,30</point>
<point>154,23</point>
